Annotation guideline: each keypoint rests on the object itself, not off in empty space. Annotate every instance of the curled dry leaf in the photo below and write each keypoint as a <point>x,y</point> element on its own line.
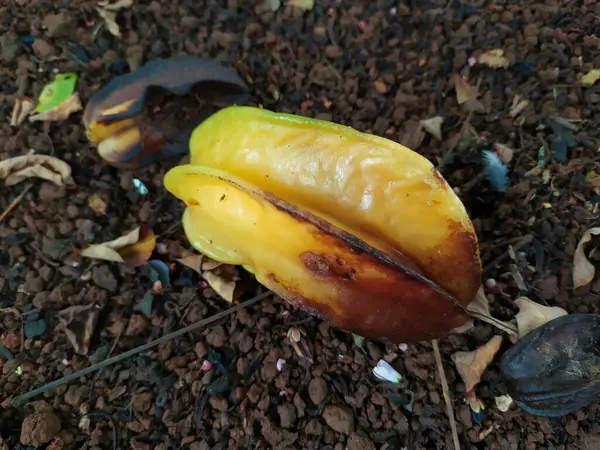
<point>583,269</point>
<point>532,315</point>
<point>464,90</point>
<point>480,309</point>
<point>22,108</point>
<point>15,170</point>
<point>306,237</point>
<point>306,5</point>
<point>108,11</point>
<point>590,78</point>
<point>80,322</point>
<point>133,249</point>
<point>494,59</point>
<point>471,365</point>
<point>61,112</point>
<point>433,126</point>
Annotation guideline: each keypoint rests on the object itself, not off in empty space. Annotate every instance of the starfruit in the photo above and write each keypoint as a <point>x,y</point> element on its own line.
<point>351,227</point>
<point>148,115</point>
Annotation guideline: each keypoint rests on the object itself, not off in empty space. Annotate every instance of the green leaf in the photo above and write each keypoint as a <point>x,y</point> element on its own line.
<point>56,92</point>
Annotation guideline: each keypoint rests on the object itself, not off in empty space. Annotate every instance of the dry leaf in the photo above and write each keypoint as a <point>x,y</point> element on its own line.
<point>273,5</point>
<point>471,365</point>
<point>583,270</point>
<point>80,322</point>
<point>474,402</point>
<point>97,204</point>
<point>494,59</point>
<point>433,126</point>
<point>474,105</point>
<point>221,282</point>
<point>133,249</point>
<point>464,328</point>
<point>590,78</point>
<point>532,315</point>
<point>505,153</point>
<point>480,309</point>
<point>503,402</point>
<point>198,262</point>
<point>306,5</point>
<point>15,170</point>
<point>464,90</point>
<point>61,112</point>
<point>22,108</point>
<point>108,12</point>
<point>518,105</point>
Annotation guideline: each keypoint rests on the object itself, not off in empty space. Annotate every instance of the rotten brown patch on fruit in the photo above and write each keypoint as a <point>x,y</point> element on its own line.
<point>368,291</point>
<point>441,182</point>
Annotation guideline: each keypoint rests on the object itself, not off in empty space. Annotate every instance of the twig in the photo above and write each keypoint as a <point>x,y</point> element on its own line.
<point>438,361</point>
<point>521,243</point>
<point>15,202</point>
<point>20,399</point>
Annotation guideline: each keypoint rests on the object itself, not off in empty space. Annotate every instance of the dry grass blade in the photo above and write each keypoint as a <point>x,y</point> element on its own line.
<point>446,392</point>
<point>14,203</point>
<point>21,399</point>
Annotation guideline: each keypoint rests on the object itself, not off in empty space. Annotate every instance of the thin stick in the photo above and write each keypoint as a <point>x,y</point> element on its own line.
<point>438,361</point>
<point>521,243</point>
<point>20,399</point>
<point>15,202</point>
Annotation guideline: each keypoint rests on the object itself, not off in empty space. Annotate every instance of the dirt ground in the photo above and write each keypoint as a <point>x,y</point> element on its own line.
<point>381,67</point>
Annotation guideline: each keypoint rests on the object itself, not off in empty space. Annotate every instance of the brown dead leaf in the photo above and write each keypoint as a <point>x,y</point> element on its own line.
<point>133,249</point>
<point>464,90</point>
<point>80,322</point>
<point>480,309</point>
<point>223,280</point>
<point>583,270</point>
<point>108,11</point>
<point>471,365</point>
<point>22,108</point>
<point>15,170</point>
<point>97,204</point>
<point>532,315</point>
<point>61,112</point>
<point>504,152</point>
<point>494,59</point>
<point>433,126</point>
<point>198,262</point>
<point>518,105</point>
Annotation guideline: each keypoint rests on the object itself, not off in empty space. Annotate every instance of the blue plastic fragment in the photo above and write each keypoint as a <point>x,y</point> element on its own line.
<point>139,186</point>
<point>35,328</point>
<point>159,271</point>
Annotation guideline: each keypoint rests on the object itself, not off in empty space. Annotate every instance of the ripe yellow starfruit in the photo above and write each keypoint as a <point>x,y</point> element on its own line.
<point>354,228</point>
